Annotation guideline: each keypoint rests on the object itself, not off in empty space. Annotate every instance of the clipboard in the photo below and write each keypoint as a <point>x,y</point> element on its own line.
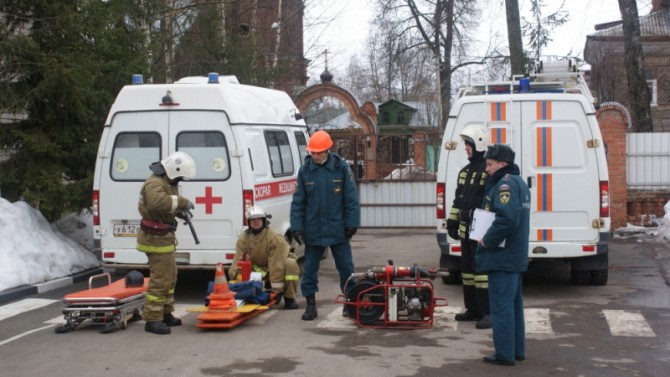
<point>481,222</point>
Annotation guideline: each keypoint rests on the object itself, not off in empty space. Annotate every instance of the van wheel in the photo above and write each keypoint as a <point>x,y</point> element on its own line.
<point>599,277</point>
<point>453,278</point>
<point>580,277</point>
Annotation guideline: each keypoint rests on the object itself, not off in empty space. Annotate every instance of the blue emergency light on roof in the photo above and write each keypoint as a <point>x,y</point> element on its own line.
<point>524,85</point>
<point>138,79</point>
<point>213,78</point>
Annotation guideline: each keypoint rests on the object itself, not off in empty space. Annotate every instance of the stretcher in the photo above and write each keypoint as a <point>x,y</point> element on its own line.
<point>224,320</point>
<point>112,305</point>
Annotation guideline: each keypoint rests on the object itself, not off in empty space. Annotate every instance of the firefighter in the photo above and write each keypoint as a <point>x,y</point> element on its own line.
<point>159,204</point>
<point>325,212</point>
<point>270,255</point>
<point>468,197</point>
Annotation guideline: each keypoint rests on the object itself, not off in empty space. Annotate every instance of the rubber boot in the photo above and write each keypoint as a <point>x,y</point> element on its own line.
<point>310,312</point>
<point>289,303</point>
<point>171,320</point>
<point>157,327</point>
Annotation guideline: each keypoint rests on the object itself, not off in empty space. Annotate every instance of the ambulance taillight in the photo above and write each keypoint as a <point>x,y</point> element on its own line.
<point>248,197</point>
<point>439,213</point>
<point>95,207</point>
<point>604,199</point>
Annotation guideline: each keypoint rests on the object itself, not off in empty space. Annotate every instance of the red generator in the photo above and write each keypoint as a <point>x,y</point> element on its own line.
<point>390,296</point>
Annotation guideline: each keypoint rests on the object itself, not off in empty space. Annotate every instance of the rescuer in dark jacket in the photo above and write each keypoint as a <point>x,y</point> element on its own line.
<point>468,197</point>
<point>158,205</point>
<point>503,253</point>
<point>325,212</point>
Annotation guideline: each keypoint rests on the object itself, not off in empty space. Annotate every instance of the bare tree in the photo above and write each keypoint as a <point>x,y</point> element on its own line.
<point>516,52</point>
<point>638,94</point>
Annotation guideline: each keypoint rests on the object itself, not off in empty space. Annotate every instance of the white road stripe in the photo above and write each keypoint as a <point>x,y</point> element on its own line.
<point>537,321</point>
<point>335,320</point>
<point>24,334</point>
<point>628,323</point>
<point>25,305</point>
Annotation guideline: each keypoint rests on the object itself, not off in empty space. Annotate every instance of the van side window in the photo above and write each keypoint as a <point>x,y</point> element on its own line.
<point>210,152</point>
<point>133,153</point>
<point>302,146</point>
<point>279,150</point>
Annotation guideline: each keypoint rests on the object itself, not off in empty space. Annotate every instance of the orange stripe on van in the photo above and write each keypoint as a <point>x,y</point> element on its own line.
<point>498,135</point>
<point>545,235</point>
<point>543,109</point>
<point>498,111</point>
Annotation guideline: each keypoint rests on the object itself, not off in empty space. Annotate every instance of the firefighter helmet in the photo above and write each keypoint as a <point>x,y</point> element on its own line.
<point>179,165</point>
<point>477,135</point>
<point>320,141</point>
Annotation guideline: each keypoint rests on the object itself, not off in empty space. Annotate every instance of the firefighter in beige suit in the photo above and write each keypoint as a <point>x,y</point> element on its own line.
<point>159,204</point>
<point>270,255</point>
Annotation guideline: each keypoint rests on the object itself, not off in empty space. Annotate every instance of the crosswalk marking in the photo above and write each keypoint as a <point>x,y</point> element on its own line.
<point>22,306</point>
<point>628,323</point>
<point>537,321</point>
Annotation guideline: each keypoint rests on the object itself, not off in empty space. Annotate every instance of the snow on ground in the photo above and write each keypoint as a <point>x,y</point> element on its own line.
<point>33,251</point>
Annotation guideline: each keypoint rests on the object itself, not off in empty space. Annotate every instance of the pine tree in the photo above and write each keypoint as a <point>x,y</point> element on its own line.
<point>63,63</point>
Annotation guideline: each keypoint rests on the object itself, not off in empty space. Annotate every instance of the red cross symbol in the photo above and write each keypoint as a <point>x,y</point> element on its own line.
<point>208,200</point>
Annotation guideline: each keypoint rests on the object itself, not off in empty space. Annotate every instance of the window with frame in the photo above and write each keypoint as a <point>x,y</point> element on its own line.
<point>133,153</point>
<point>386,117</point>
<point>653,92</point>
<point>401,117</point>
<point>210,153</point>
<point>302,146</point>
<point>279,150</point>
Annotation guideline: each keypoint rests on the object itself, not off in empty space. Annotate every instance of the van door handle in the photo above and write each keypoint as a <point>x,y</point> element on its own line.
<point>529,181</point>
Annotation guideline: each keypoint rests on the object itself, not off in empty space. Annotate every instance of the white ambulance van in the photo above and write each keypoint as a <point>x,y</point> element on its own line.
<point>549,120</point>
<point>247,142</point>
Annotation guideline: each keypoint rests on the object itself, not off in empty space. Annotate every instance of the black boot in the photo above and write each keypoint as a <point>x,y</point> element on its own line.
<point>289,303</point>
<point>310,313</point>
<point>171,320</point>
<point>157,327</point>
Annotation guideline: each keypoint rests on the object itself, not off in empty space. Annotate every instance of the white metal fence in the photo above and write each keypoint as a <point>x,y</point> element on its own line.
<point>648,161</point>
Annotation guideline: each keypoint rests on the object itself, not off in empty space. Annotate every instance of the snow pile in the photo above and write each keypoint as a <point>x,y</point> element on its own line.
<point>32,251</point>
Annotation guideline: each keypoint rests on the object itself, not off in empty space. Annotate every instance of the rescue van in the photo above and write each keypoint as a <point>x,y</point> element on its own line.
<point>247,142</point>
<point>548,118</point>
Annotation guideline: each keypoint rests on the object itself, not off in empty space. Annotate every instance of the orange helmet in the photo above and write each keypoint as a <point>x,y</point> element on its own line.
<point>319,142</point>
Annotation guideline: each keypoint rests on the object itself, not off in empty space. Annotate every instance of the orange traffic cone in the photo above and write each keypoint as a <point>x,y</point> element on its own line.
<point>221,297</point>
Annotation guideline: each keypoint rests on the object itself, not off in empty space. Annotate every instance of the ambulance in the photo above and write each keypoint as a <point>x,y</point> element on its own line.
<point>247,142</point>
<point>548,118</point>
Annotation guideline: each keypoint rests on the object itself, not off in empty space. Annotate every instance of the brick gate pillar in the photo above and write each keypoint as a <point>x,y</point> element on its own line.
<point>612,121</point>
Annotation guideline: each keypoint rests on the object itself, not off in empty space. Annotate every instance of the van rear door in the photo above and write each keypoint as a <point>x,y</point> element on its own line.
<point>216,190</point>
<point>561,168</point>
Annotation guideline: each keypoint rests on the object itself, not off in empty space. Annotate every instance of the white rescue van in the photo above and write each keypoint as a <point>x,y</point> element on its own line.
<point>247,142</point>
<point>549,120</point>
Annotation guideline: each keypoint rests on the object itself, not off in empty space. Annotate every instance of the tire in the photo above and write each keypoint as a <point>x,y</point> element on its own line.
<point>453,278</point>
<point>599,277</point>
<point>580,277</point>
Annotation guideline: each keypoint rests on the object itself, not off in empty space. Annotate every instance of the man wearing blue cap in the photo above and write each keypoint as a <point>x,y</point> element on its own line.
<point>503,253</point>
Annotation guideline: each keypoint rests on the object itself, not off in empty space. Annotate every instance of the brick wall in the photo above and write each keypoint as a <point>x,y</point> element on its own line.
<point>612,123</point>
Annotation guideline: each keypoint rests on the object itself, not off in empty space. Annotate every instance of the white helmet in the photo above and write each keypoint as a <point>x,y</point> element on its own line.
<point>478,135</point>
<point>179,165</point>
<point>256,212</point>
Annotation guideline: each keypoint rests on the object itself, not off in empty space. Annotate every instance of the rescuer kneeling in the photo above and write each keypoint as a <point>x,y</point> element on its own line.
<point>269,254</point>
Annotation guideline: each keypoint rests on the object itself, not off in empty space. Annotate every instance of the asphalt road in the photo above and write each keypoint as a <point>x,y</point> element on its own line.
<point>573,330</point>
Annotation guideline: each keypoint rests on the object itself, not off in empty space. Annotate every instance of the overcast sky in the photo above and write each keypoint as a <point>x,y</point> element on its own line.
<point>345,36</point>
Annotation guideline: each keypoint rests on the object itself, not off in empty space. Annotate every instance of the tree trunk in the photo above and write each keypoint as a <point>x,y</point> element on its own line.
<point>516,54</point>
<point>638,92</point>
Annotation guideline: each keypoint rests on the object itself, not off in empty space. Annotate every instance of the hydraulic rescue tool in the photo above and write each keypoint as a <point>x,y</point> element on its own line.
<point>392,296</point>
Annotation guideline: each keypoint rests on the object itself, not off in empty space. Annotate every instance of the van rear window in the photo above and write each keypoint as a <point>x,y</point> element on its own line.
<point>132,155</point>
<point>210,152</point>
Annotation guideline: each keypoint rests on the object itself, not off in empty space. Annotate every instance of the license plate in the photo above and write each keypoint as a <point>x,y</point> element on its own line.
<point>126,230</point>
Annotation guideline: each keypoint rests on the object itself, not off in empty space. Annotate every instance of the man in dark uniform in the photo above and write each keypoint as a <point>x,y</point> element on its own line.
<point>503,253</point>
<point>325,212</point>
<point>159,204</point>
<point>469,195</point>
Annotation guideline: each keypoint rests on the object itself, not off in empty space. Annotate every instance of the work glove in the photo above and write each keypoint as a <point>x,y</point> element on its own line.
<point>189,205</point>
<point>349,232</point>
<point>298,237</point>
<point>453,233</point>
<point>184,215</point>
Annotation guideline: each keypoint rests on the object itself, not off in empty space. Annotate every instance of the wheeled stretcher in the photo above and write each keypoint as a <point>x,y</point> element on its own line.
<point>112,305</point>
